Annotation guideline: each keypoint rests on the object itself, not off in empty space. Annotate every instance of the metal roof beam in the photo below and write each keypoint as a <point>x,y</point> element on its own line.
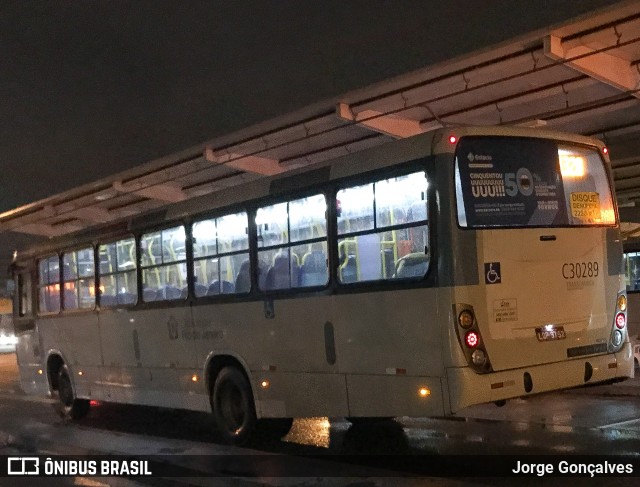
<point>385,124</point>
<point>602,66</point>
<point>93,214</point>
<point>247,163</point>
<point>169,193</point>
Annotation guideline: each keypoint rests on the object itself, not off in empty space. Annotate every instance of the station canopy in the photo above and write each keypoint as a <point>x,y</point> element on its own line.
<point>582,77</point>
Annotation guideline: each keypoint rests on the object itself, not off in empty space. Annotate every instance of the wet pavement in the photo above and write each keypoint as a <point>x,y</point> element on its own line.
<point>599,420</point>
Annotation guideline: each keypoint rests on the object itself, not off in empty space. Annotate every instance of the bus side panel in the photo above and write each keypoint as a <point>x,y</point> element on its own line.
<point>282,342</point>
<point>381,396</point>
<point>377,333</point>
<point>76,337</point>
<point>304,394</point>
<point>222,327</point>
<point>151,355</point>
<point>117,349</point>
<point>28,354</point>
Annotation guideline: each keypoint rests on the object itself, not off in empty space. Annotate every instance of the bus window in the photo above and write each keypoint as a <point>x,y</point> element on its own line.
<point>49,284</point>
<point>163,260</point>
<point>25,305</point>
<point>118,276</point>
<point>529,182</point>
<point>220,248</point>
<point>292,242</point>
<point>390,242</point>
<point>78,279</point>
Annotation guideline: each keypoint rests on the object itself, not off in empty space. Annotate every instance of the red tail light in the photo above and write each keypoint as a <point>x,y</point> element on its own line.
<point>471,339</point>
<point>621,320</point>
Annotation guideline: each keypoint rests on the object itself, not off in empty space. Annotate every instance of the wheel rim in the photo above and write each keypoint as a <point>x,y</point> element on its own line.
<point>232,408</point>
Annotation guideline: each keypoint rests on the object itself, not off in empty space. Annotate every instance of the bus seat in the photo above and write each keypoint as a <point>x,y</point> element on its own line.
<point>126,298</point>
<point>243,279</point>
<point>412,265</point>
<point>220,287</point>
<point>169,292</point>
<point>314,270</point>
<point>349,270</point>
<point>70,299</point>
<point>107,300</point>
<point>200,290</point>
<point>149,294</point>
<point>279,276</point>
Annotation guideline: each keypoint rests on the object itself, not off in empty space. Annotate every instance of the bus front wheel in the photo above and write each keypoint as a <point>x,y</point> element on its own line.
<point>68,406</point>
<point>233,407</point>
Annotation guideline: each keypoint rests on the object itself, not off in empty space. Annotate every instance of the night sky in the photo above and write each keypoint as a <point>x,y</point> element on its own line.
<point>92,88</point>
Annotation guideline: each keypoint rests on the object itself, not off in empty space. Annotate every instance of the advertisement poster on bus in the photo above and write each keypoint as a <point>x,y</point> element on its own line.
<point>510,182</point>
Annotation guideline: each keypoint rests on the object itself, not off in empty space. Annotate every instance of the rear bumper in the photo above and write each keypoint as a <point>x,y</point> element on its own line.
<point>467,388</point>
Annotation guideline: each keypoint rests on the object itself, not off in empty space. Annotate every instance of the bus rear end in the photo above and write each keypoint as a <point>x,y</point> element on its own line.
<point>548,308</point>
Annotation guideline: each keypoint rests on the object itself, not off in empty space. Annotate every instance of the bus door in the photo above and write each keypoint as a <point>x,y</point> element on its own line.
<point>28,348</point>
<point>545,226</point>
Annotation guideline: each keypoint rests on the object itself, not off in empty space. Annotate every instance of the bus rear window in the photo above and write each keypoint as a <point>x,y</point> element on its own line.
<point>528,182</point>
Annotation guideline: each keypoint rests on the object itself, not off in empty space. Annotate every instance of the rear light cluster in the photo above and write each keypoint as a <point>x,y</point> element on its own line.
<point>470,338</point>
<point>619,323</point>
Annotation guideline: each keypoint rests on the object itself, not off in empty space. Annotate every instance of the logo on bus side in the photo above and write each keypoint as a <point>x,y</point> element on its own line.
<point>492,273</point>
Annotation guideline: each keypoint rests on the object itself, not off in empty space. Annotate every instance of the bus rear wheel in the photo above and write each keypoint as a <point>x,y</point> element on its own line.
<point>233,407</point>
<point>68,406</point>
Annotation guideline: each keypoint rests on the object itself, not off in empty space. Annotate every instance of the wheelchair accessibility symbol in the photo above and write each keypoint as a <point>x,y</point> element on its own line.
<point>492,273</point>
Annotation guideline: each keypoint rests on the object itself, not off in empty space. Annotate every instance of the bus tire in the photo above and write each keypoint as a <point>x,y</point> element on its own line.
<point>233,407</point>
<point>67,405</point>
<point>275,428</point>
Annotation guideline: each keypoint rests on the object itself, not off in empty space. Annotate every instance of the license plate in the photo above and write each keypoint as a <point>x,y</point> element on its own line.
<point>546,334</point>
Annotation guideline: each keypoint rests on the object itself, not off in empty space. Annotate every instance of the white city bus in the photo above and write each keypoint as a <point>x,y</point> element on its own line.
<point>458,267</point>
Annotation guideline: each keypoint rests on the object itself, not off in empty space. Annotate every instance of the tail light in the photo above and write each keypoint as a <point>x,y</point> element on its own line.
<point>470,338</point>
<point>619,327</point>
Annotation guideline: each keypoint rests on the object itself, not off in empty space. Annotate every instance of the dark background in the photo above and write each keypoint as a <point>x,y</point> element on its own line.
<point>90,88</point>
